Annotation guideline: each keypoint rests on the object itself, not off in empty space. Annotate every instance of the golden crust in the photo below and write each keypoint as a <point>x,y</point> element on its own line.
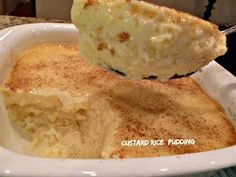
<point>146,109</point>
<point>56,66</point>
<point>174,110</point>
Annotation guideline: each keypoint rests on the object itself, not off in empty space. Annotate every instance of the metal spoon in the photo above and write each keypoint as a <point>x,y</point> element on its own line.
<point>226,32</point>
<point>230,30</point>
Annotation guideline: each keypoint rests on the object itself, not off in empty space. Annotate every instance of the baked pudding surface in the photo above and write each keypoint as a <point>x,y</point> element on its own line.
<point>71,109</point>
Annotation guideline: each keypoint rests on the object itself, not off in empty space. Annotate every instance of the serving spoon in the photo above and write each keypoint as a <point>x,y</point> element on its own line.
<point>230,30</point>
<point>144,40</point>
<point>227,32</point>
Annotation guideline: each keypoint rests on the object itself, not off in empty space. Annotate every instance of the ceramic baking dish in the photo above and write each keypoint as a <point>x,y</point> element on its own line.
<point>214,79</point>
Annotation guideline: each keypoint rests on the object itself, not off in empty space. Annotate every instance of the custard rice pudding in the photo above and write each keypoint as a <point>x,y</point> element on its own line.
<point>70,109</point>
<point>141,39</point>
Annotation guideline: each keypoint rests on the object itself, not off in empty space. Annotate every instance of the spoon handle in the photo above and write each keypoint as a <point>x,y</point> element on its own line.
<point>230,30</point>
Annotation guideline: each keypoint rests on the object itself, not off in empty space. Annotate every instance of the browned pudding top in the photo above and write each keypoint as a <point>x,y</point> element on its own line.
<point>145,109</point>
<point>56,66</point>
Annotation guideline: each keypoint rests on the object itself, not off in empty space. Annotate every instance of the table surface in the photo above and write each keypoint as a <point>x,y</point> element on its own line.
<point>8,21</point>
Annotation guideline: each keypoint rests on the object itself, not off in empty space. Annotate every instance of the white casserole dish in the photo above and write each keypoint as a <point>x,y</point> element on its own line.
<point>214,79</point>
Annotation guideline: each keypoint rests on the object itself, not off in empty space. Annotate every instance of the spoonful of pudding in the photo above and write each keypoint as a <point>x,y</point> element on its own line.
<point>140,40</point>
